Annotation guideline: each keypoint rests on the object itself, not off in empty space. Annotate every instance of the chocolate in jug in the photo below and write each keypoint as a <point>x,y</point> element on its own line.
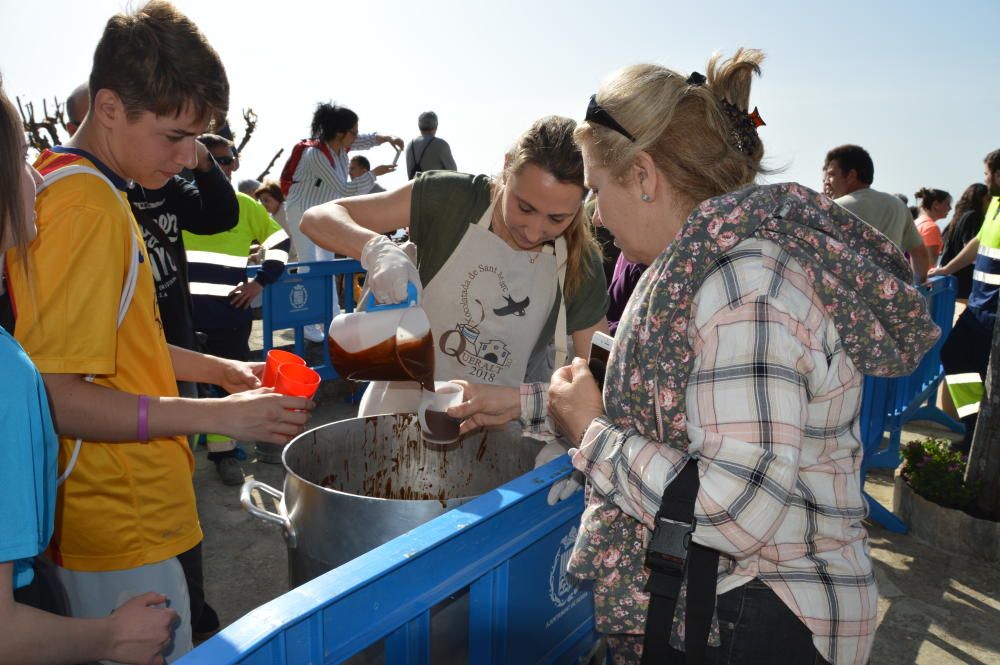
<point>412,360</point>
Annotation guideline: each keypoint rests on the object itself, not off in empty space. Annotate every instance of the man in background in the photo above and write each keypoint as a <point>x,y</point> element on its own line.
<point>427,152</point>
<point>222,295</point>
<point>966,353</point>
<point>848,173</point>
<point>77,105</point>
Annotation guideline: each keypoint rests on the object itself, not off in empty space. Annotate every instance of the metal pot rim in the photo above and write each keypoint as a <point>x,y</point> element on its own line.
<point>289,471</point>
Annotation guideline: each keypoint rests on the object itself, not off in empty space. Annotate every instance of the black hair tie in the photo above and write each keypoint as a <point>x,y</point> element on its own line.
<point>696,78</point>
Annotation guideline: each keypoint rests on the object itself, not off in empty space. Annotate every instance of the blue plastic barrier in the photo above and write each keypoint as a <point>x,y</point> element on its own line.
<point>888,404</point>
<point>507,547</point>
<point>917,396</point>
<point>878,396</point>
<point>303,296</point>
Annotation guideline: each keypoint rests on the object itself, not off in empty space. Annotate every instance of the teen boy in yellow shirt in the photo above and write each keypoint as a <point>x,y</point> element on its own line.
<point>127,507</point>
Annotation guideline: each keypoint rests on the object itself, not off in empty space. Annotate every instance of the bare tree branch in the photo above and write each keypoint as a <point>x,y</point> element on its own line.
<point>35,138</point>
<point>269,165</point>
<point>250,118</point>
<point>50,124</point>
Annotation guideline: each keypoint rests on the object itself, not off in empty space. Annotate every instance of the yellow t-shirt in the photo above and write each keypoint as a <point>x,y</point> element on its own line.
<point>124,504</point>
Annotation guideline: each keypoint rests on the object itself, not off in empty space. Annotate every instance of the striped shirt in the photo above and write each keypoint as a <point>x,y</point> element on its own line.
<point>317,181</point>
<point>773,403</point>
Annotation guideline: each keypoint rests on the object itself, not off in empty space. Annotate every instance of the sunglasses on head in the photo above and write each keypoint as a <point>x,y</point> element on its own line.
<point>225,161</point>
<point>599,115</point>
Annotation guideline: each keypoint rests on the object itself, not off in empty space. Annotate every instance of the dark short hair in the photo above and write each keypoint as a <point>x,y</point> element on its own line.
<point>992,161</point>
<point>156,59</point>
<point>330,120</point>
<point>363,161</point>
<point>854,157</point>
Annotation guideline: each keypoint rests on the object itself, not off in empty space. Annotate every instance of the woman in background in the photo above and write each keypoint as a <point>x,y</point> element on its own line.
<point>935,204</point>
<point>269,195</point>
<point>322,175</point>
<point>965,224</point>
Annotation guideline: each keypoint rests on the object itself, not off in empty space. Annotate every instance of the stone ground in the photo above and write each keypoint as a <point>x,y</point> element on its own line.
<point>935,608</point>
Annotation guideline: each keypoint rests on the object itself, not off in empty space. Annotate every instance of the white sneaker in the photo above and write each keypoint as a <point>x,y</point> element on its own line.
<point>314,333</point>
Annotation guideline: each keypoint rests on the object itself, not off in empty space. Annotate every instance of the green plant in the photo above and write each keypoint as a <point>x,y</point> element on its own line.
<point>936,472</point>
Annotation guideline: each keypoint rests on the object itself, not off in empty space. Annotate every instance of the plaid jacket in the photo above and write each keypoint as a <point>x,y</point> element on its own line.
<point>742,346</point>
<point>772,408</point>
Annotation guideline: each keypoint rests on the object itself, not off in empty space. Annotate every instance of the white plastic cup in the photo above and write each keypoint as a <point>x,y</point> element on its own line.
<point>436,425</point>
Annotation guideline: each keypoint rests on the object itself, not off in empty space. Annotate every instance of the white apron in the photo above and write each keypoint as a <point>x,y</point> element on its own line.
<point>487,306</point>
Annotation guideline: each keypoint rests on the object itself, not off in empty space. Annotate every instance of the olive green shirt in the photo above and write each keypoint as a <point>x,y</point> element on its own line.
<point>443,206</point>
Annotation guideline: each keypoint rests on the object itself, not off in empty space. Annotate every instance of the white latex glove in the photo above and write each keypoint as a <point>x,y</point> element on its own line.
<point>565,488</point>
<point>389,270</point>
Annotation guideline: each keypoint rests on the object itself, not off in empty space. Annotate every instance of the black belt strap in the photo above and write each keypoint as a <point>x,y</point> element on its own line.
<point>671,558</point>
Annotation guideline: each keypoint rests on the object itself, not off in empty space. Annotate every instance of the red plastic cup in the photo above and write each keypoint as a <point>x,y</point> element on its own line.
<point>275,359</point>
<point>296,381</point>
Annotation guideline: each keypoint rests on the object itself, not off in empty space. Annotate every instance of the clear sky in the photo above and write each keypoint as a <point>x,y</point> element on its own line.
<point>914,82</point>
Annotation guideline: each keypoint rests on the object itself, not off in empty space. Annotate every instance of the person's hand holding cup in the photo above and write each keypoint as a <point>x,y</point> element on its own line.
<point>436,425</point>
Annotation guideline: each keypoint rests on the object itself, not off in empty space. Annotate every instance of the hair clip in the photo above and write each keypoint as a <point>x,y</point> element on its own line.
<point>742,127</point>
<point>696,78</point>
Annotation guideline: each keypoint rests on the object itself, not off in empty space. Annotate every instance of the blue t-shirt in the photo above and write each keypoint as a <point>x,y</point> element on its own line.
<point>29,452</point>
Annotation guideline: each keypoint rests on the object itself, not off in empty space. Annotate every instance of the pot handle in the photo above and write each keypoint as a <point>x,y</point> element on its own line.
<point>280,518</point>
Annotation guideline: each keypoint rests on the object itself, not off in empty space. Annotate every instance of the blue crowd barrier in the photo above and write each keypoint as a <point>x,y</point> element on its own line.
<point>506,549</point>
<point>917,397</point>
<point>888,404</point>
<point>302,296</point>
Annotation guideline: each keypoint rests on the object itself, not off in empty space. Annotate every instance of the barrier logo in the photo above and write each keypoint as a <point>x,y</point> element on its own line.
<point>561,591</point>
<point>298,296</point>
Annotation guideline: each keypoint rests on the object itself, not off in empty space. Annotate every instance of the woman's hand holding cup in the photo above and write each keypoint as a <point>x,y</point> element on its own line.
<point>486,405</point>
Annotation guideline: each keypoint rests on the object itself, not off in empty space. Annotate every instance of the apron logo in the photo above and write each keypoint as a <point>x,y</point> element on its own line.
<point>462,343</point>
<point>481,341</point>
<point>512,307</point>
<point>485,359</point>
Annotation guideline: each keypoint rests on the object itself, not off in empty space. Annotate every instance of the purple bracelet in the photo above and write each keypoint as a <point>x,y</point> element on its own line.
<point>142,427</point>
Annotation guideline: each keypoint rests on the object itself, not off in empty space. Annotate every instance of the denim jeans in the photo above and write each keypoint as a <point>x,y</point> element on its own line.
<point>756,629</point>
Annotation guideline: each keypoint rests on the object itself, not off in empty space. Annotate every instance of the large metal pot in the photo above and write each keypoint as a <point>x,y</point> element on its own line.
<point>355,484</point>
